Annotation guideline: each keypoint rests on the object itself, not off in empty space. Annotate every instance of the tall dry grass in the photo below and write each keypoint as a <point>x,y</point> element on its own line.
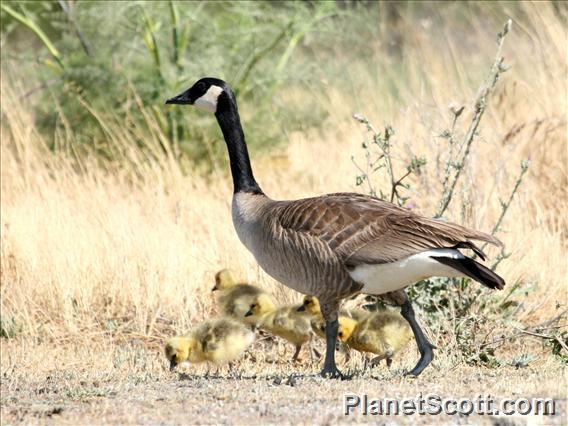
<point>123,249</point>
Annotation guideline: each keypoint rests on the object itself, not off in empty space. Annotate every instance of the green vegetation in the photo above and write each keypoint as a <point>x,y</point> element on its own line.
<point>94,62</point>
<point>9,327</point>
<point>87,64</point>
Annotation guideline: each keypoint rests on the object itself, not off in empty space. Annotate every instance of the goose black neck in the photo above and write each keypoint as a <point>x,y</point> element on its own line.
<point>228,118</point>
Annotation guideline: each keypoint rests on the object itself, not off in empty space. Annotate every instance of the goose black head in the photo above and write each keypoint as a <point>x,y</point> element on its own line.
<point>207,93</point>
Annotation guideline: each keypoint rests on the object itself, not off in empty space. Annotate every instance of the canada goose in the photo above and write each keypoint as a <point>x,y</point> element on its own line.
<point>234,298</point>
<point>219,341</point>
<point>285,322</point>
<point>381,333</point>
<point>336,245</point>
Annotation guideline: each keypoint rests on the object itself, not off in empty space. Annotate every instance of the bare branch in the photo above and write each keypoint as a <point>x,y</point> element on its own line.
<point>480,105</point>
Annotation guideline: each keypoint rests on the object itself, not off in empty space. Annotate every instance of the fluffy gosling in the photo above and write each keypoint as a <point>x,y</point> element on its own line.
<point>285,322</point>
<point>311,306</point>
<point>234,298</point>
<point>381,333</point>
<point>219,341</point>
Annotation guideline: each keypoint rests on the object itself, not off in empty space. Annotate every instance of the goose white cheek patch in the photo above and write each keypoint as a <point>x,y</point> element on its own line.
<point>208,101</point>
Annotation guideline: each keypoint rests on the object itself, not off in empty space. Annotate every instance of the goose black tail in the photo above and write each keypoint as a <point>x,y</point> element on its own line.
<point>474,270</point>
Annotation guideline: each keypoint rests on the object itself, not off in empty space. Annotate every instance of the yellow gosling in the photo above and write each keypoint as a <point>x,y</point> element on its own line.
<point>218,341</point>
<point>311,306</point>
<point>234,299</point>
<point>381,333</point>
<point>285,322</point>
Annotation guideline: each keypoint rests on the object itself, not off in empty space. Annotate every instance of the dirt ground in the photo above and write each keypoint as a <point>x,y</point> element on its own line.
<point>131,384</point>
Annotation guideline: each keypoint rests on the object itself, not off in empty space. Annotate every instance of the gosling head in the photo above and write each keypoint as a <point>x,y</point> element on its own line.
<point>178,350</point>
<point>223,280</point>
<point>261,306</point>
<point>346,328</point>
<point>210,94</point>
<point>311,304</point>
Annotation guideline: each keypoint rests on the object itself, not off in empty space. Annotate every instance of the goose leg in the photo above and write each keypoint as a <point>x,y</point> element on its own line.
<point>329,368</point>
<point>424,346</point>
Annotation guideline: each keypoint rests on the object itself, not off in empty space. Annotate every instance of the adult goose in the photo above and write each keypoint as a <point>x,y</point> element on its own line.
<point>336,245</point>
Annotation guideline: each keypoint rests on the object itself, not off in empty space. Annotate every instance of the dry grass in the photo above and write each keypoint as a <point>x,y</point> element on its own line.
<point>98,255</point>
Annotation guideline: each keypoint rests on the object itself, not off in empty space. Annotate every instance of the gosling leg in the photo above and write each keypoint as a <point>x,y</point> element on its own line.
<point>424,346</point>
<point>386,356</point>
<point>297,353</point>
<point>375,361</point>
<point>313,351</point>
<point>347,353</point>
<point>316,353</point>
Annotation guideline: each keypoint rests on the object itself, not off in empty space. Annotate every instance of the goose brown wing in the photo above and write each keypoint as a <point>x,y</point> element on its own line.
<point>361,229</point>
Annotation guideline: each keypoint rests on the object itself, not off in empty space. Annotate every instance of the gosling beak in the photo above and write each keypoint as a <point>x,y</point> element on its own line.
<point>214,288</point>
<point>301,309</point>
<point>181,99</point>
<point>248,314</point>
<point>173,364</point>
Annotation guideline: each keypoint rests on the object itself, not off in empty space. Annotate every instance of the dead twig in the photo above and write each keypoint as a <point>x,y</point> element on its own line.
<point>383,159</point>
<point>480,105</point>
<point>534,333</point>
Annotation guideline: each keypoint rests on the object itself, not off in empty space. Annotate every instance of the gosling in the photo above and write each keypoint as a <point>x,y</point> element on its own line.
<point>311,306</point>
<point>285,322</point>
<point>235,298</point>
<point>218,341</point>
<point>381,333</point>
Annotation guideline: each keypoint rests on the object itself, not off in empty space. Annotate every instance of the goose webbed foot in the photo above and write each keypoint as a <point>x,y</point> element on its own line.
<point>424,346</point>
<point>425,359</point>
<point>332,372</point>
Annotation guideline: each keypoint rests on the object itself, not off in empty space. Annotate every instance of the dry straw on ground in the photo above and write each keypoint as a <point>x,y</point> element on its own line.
<point>100,262</point>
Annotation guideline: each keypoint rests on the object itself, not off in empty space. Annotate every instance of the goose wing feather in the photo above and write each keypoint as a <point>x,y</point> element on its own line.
<point>365,230</point>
